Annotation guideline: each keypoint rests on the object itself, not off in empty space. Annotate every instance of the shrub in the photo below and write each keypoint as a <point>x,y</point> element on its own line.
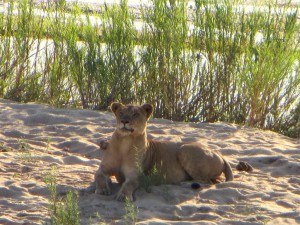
<point>218,61</point>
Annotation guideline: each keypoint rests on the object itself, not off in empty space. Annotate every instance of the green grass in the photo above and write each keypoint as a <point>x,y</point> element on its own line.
<point>166,61</point>
<point>151,178</point>
<point>131,212</point>
<point>63,211</point>
<point>25,152</point>
<point>205,64</point>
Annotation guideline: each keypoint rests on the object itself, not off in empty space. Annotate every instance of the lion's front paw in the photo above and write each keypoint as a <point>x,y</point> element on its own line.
<point>123,197</point>
<point>103,191</point>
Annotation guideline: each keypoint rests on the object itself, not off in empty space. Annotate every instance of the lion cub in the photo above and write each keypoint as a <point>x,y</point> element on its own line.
<point>128,150</point>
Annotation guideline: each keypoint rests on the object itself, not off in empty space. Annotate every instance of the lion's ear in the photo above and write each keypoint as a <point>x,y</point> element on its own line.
<point>103,144</point>
<point>115,106</point>
<point>148,108</point>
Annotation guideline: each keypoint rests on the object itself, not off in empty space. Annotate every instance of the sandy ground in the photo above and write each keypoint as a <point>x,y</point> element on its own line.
<point>35,138</point>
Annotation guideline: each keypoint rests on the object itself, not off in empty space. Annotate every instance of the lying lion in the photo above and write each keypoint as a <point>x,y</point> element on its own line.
<point>128,150</point>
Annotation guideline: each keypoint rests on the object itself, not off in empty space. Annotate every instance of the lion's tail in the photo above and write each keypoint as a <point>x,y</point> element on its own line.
<point>227,171</point>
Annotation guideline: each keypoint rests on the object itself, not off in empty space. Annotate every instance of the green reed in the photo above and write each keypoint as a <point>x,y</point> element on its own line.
<point>241,78</point>
<point>119,36</point>
<point>18,37</point>
<point>269,67</point>
<point>215,62</point>
<point>166,71</point>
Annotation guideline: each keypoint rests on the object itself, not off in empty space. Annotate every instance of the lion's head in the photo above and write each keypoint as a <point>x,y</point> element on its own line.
<point>131,120</point>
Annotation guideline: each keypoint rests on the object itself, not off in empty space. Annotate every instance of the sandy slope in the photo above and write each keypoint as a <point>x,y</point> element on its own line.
<point>34,138</point>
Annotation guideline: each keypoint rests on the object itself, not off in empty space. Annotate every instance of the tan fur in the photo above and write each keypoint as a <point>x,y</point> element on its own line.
<point>129,151</point>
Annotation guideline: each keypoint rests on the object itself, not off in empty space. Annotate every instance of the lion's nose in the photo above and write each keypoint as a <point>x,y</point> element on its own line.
<point>124,121</point>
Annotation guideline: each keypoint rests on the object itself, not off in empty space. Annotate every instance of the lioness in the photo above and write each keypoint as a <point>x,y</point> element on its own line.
<point>128,149</point>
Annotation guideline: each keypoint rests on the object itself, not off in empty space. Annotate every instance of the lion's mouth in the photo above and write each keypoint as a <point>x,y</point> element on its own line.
<point>126,128</point>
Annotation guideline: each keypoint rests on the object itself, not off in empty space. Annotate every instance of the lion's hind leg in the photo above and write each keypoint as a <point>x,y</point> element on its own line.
<point>201,165</point>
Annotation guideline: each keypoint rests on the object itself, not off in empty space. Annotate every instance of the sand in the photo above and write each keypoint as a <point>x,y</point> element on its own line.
<point>36,138</point>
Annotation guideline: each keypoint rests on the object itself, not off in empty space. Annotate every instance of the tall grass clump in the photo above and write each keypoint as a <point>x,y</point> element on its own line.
<point>270,79</point>
<point>75,56</point>
<point>218,40</point>
<point>95,66</point>
<point>119,36</point>
<point>290,126</point>
<point>76,74</point>
<point>56,79</point>
<point>248,63</point>
<point>20,34</point>
<point>166,62</point>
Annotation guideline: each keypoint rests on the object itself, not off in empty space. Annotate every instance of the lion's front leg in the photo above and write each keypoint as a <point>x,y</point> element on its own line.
<point>102,182</point>
<point>128,187</point>
<point>127,190</point>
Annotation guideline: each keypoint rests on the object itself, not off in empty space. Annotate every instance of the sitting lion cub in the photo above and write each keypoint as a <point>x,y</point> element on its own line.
<point>128,150</point>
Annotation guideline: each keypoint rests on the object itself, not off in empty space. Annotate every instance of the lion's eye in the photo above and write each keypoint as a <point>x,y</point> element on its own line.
<point>136,115</point>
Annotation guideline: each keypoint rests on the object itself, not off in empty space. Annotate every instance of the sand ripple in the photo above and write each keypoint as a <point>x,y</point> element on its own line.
<point>35,139</point>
